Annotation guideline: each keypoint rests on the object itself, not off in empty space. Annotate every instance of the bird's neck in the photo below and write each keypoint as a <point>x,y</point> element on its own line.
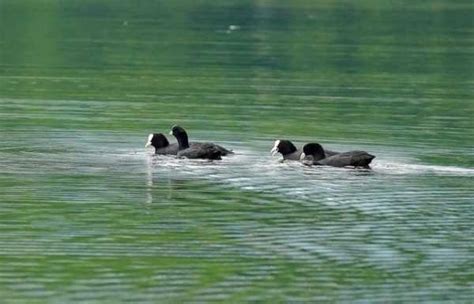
<point>319,155</point>
<point>183,141</point>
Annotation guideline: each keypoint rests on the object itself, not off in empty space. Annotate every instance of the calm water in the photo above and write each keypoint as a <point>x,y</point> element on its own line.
<point>88,215</point>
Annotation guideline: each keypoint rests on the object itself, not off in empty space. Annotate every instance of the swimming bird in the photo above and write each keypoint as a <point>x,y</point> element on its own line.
<point>161,144</point>
<point>163,147</point>
<point>290,152</point>
<point>314,154</point>
<point>196,150</point>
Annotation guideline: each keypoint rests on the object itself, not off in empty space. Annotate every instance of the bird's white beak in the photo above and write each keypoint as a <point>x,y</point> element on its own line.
<point>171,133</point>
<point>302,156</point>
<point>148,142</point>
<point>274,151</point>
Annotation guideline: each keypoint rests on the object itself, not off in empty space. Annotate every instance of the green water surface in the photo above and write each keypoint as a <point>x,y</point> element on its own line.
<point>88,215</point>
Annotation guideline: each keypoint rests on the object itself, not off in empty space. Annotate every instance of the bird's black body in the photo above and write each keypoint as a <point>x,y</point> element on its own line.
<point>197,150</point>
<point>314,154</point>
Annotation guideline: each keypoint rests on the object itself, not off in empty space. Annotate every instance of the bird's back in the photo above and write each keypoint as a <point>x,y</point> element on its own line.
<point>171,149</point>
<point>351,158</point>
<point>221,149</point>
<point>201,150</point>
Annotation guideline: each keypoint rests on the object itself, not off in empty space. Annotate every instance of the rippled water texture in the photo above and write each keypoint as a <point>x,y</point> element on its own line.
<point>87,214</point>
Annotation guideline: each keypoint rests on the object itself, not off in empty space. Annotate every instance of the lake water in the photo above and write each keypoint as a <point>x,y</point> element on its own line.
<point>87,214</point>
